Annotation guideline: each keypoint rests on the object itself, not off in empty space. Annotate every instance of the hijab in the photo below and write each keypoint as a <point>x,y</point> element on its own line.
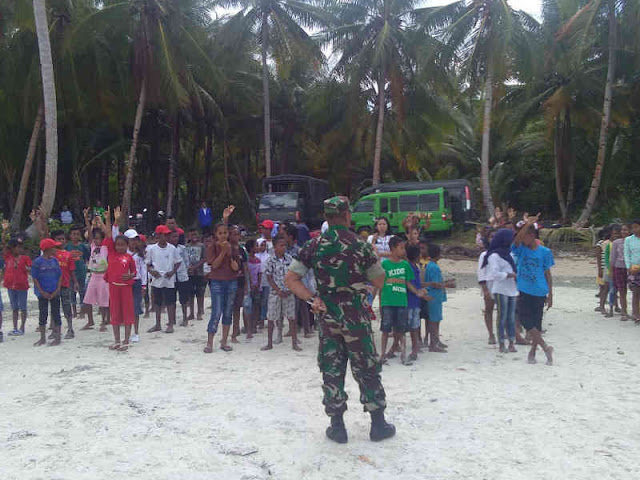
<point>501,244</point>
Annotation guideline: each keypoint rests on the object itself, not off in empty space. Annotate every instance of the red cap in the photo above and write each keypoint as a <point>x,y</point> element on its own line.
<point>163,229</point>
<point>143,238</point>
<point>48,243</point>
<point>268,224</point>
<point>180,231</point>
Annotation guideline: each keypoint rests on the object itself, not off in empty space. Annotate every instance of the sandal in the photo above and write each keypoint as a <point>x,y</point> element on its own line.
<point>226,348</point>
<point>115,346</point>
<point>124,347</point>
<point>155,328</point>
<point>208,350</point>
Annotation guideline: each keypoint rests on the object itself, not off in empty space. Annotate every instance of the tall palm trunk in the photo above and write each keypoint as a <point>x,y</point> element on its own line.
<point>50,112</point>
<point>486,141</point>
<point>26,171</point>
<point>379,130</point>
<point>173,162</point>
<point>265,93</point>
<point>131,162</point>
<point>559,157</point>
<point>606,120</point>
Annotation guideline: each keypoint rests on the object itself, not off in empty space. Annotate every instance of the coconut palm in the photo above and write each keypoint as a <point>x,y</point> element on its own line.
<point>50,107</point>
<point>493,42</point>
<point>278,28</point>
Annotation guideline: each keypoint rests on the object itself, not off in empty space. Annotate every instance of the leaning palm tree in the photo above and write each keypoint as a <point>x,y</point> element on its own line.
<point>278,28</point>
<point>490,40</point>
<point>50,107</point>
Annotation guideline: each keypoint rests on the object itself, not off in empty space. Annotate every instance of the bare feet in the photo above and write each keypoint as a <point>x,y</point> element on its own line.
<point>512,348</point>
<point>169,329</point>
<point>549,353</point>
<point>437,349</point>
<point>522,341</point>
<point>531,358</point>
<point>309,335</point>
<point>492,339</point>
<point>502,349</point>
<point>103,328</point>
<point>184,324</point>
<point>88,326</point>
<point>115,346</point>
<point>234,340</point>
<point>40,342</point>
<point>155,328</point>
<point>199,319</point>
<point>190,317</point>
<point>296,348</point>
<point>266,348</point>
<point>55,342</point>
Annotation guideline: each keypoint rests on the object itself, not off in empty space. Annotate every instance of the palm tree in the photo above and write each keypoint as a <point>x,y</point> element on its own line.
<point>588,15</point>
<point>491,39</point>
<point>50,108</point>
<point>277,27</point>
<point>376,48</point>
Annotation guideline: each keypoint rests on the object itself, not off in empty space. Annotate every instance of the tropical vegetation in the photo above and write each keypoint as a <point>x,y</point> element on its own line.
<point>160,104</point>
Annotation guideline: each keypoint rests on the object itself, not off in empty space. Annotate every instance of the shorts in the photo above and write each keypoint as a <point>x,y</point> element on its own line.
<point>164,297</point>
<point>66,295</point>
<point>137,297</point>
<point>185,291</point>
<point>394,318</point>
<point>239,300</point>
<point>281,307</point>
<point>620,278</point>
<point>18,299</point>
<point>530,311</point>
<point>413,318</point>
<point>424,309</point>
<point>436,308</point>
<point>198,285</point>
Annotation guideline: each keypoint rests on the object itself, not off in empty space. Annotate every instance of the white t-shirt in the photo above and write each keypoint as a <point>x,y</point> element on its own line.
<point>163,260</point>
<point>183,273</point>
<point>264,256</point>
<point>482,272</point>
<point>324,227</point>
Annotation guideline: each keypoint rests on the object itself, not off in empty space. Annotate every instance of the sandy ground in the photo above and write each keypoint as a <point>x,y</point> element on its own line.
<point>165,410</point>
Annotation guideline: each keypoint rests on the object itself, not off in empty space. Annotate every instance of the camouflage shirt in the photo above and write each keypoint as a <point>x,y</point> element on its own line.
<point>343,265</point>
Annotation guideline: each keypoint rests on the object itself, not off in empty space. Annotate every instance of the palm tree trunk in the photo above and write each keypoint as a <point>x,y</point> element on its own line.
<point>50,112</point>
<point>559,158</point>
<point>606,120</point>
<point>265,93</point>
<point>486,141</point>
<point>131,163</point>
<point>26,171</point>
<point>208,159</point>
<point>173,161</point>
<point>379,130</point>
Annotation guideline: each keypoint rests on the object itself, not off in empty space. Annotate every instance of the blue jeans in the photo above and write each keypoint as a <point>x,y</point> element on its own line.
<point>223,295</point>
<point>506,316</point>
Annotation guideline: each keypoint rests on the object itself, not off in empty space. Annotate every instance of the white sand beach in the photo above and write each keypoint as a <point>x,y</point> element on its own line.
<point>164,410</point>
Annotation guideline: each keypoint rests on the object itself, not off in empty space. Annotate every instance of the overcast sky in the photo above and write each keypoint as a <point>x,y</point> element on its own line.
<point>533,7</point>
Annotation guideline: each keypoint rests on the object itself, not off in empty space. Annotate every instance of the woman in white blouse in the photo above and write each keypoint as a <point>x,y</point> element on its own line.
<point>380,239</point>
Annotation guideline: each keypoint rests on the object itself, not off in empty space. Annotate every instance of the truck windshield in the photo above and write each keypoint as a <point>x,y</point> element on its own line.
<point>288,201</point>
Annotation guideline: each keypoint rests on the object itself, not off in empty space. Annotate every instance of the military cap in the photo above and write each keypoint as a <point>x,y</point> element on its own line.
<point>336,205</point>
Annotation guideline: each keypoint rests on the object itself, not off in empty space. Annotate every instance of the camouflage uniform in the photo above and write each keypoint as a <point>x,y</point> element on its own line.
<point>343,265</point>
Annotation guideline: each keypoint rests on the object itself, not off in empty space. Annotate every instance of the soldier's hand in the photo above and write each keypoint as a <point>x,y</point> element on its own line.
<point>318,306</point>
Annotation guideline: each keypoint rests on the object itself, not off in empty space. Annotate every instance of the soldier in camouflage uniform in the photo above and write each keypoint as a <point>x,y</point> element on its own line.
<point>343,266</point>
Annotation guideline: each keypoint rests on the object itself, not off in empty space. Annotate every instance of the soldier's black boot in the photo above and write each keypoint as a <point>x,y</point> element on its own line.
<point>380,429</point>
<point>337,431</point>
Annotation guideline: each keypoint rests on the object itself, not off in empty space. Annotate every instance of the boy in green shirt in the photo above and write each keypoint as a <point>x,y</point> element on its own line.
<point>393,297</point>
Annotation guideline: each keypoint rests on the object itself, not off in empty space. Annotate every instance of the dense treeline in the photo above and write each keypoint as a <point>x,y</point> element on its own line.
<point>539,115</point>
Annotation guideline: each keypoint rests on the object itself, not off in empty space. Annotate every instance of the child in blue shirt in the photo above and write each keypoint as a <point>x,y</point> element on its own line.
<point>535,285</point>
<point>47,280</point>
<point>414,301</point>
<point>437,290</point>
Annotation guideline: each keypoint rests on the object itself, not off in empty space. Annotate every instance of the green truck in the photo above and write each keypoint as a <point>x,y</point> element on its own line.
<point>396,206</point>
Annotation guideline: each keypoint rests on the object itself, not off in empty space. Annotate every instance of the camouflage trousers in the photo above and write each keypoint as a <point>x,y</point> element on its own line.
<point>353,342</point>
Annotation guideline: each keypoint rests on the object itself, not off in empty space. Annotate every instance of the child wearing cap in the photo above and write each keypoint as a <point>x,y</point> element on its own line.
<point>163,261</point>
<point>16,281</point>
<point>47,281</point>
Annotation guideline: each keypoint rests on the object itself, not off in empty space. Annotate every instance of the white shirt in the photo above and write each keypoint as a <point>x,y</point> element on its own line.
<point>66,217</point>
<point>382,243</point>
<point>163,260</point>
<point>482,272</point>
<point>324,227</point>
<point>183,273</point>
<point>498,270</point>
<point>141,268</point>
<point>264,256</point>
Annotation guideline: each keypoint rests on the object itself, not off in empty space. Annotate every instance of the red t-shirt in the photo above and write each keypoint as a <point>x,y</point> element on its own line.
<point>67,264</point>
<point>119,264</point>
<point>16,272</point>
